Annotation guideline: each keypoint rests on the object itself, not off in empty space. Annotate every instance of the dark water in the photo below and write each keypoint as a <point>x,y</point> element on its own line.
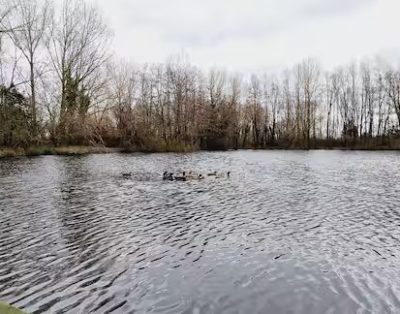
<point>289,232</point>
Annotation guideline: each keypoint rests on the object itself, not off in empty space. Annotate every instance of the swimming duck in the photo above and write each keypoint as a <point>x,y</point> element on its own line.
<point>127,174</point>
<point>182,178</point>
<point>212,174</point>
<point>168,176</point>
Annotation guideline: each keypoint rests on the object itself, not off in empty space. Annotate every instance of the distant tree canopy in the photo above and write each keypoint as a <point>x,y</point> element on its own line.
<point>71,90</point>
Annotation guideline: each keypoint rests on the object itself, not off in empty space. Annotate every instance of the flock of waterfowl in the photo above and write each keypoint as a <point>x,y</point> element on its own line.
<point>169,176</point>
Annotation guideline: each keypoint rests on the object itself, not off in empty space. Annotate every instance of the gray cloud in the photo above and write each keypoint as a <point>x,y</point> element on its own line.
<point>210,22</point>
<point>238,33</point>
<point>326,8</point>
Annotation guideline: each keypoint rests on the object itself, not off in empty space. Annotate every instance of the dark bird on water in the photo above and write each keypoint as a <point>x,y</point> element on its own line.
<point>168,176</point>
<point>181,178</point>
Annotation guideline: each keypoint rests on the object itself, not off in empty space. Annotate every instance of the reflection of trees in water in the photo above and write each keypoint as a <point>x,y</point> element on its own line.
<point>87,227</point>
<point>80,214</point>
<point>28,223</point>
<point>13,167</point>
<point>54,239</point>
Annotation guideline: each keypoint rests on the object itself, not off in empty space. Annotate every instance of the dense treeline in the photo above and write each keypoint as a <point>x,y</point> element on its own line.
<point>60,85</point>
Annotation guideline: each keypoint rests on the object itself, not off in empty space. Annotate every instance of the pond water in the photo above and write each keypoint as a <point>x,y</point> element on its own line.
<point>288,232</point>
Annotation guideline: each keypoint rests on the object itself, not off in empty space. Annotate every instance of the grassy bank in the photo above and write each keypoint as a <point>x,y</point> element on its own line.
<point>181,148</point>
<point>62,150</point>
<point>6,308</point>
<point>85,150</point>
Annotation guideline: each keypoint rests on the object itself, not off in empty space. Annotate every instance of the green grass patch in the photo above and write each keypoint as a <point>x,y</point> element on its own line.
<point>6,308</point>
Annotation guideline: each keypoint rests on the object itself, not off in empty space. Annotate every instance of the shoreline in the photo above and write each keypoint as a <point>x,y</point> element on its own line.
<point>9,152</point>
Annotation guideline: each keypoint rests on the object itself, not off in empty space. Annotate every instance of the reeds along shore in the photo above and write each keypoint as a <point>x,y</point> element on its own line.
<point>370,145</point>
<point>89,98</point>
<point>48,150</point>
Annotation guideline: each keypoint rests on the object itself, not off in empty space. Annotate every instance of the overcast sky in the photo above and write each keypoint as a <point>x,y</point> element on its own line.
<point>253,35</point>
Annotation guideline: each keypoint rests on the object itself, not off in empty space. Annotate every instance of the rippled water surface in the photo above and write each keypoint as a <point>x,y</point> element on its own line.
<point>288,232</point>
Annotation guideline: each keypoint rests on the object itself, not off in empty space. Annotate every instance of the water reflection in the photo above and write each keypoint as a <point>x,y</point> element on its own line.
<point>301,232</point>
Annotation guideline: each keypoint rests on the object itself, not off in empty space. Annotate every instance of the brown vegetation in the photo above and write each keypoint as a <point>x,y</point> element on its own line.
<point>61,150</point>
<point>59,86</point>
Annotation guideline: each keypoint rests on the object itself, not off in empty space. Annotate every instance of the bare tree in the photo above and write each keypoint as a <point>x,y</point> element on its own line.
<point>393,91</point>
<point>78,50</point>
<point>255,109</point>
<point>28,23</point>
<point>173,105</point>
<point>6,9</point>
<point>308,83</point>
